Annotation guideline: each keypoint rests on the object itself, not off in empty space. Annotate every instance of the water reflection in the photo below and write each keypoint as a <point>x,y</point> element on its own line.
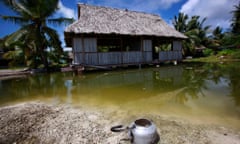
<point>191,79</point>
<point>32,87</point>
<point>234,76</point>
<point>68,85</point>
<point>172,89</point>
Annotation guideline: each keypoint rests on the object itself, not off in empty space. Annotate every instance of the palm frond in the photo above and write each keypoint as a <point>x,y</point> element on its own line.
<point>46,8</point>
<point>60,21</point>
<point>23,9</point>
<point>15,36</point>
<point>15,19</point>
<point>35,36</point>
<point>16,6</point>
<point>9,3</point>
<point>53,39</point>
<point>12,54</point>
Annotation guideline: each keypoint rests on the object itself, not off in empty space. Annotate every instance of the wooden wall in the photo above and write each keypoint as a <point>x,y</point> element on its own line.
<point>175,54</point>
<point>85,52</point>
<point>147,51</point>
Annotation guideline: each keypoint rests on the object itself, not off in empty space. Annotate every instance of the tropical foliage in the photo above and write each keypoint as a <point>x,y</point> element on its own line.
<point>236,19</point>
<point>193,28</point>
<point>201,36</point>
<point>35,43</point>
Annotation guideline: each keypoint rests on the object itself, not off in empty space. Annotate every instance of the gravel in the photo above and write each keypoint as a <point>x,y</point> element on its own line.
<point>35,122</point>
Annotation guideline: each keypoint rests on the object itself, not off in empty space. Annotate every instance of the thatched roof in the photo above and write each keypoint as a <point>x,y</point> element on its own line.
<point>103,20</point>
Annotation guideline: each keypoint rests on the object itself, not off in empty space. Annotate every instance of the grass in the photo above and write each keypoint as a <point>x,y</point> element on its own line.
<point>203,59</point>
<point>222,56</point>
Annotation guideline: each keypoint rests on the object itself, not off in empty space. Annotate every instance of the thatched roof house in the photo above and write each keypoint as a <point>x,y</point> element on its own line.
<point>102,20</point>
<point>100,25</point>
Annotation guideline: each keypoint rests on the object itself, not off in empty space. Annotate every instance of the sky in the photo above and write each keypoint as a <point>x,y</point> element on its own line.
<point>217,12</point>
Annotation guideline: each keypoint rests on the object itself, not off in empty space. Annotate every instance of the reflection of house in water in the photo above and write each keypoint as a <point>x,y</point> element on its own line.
<point>68,85</point>
<point>171,75</point>
<point>165,78</point>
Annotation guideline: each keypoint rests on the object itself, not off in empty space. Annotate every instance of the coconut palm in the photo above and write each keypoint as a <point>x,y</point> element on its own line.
<point>236,20</point>
<point>180,22</point>
<point>197,25</point>
<point>232,39</point>
<point>193,28</point>
<point>216,38</point>
<point>217,33</point>
<point>35,35</point>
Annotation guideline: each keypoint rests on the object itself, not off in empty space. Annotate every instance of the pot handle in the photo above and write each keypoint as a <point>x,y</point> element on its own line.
<point>118,128</point>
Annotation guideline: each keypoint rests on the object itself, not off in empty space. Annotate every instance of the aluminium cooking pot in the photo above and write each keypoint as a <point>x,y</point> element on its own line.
<point>141,131</point>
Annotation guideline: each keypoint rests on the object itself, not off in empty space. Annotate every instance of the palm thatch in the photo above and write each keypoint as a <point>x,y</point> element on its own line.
<point>103,20</point>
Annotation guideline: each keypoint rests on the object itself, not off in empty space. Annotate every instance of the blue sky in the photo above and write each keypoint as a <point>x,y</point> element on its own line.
<point>217,12</point>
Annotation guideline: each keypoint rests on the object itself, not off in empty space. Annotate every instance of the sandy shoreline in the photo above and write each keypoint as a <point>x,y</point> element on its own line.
<point>36,122</point>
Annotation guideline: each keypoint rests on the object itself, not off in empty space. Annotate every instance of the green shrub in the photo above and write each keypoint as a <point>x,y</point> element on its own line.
<point>236,55</point>
<point>208,52</point>
<point>226,52</point>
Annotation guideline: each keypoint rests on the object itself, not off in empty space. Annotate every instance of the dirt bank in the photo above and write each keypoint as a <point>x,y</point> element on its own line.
<point>41,123</point>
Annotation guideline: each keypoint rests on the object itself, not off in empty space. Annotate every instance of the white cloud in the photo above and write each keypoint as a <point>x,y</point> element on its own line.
<point>189,5</point>
<point>65,11</point>
<point>168,3</point>
<point>217,12</point>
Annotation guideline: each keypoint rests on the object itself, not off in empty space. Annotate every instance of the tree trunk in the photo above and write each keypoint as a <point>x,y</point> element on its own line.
<point>44,60</point>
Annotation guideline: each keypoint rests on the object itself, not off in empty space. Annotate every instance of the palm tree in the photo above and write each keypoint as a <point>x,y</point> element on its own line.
<point>35,35</point>
<point>217,33</point>
<point>231,39</point>
<point>236,20</point>
<point>195,30</point>
<point>216,38</point>
<point>180,22</point>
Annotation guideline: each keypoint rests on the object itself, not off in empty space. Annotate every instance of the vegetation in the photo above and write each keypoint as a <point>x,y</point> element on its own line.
<point>35,44</point>
<point>194,29</point>
<point>236,20</point>
<point>209,42</point>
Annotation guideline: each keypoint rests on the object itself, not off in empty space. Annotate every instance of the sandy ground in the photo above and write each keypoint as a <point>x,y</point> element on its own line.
<point>35,123</point>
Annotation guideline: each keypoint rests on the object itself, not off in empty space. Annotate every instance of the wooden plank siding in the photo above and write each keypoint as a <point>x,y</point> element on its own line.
<point>91,58</point>
<point>147,45</point>
<point>77,45</point>
<point>109,58</point>
<point>77,51</point>
<point>170,55</point>
<point>86,53</point>
<point>90,44</point>
<point>147,51</point>
<point>132,57</point>
<point>177,45</point>
<point>175,54</point>
<point>147,57</point>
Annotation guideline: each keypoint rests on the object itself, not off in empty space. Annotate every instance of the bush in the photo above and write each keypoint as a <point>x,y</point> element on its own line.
<point>208,52</point>
<point>226,52</point>
<point>236,55</point>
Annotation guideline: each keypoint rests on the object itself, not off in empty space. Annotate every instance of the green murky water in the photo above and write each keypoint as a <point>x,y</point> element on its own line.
<point>205,93</point>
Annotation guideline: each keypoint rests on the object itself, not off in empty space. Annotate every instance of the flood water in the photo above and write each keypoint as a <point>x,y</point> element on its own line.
<point>202,93</point>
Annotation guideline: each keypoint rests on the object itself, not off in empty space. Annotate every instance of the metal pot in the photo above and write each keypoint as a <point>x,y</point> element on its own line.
<point>141,131</point>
